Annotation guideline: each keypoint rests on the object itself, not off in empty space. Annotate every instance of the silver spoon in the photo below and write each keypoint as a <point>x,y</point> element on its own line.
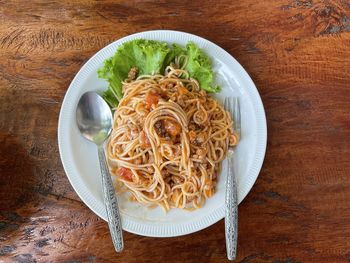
<point>94,119</point>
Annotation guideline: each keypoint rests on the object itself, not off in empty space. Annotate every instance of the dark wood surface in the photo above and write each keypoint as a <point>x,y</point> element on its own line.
<point>296,51</point>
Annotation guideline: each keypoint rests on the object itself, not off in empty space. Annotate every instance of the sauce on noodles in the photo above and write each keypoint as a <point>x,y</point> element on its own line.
<point>169,139</point>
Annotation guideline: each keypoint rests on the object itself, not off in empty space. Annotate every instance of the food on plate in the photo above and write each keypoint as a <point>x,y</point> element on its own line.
<point>169,135</point>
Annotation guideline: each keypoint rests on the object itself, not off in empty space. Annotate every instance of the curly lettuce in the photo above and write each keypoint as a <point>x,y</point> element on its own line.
<point>151,57</point>
<point>199,67</point>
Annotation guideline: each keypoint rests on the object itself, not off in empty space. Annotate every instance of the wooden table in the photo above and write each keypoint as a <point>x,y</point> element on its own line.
<point>296,51</point>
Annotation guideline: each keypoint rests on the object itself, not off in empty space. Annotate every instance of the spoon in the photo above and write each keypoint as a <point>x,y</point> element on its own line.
<point>94,120</point>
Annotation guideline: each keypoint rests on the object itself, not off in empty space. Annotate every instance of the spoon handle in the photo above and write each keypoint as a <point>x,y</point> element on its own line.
<point>111,202</point>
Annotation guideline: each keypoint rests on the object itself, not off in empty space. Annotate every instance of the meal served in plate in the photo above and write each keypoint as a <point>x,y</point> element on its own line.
<point>169,136</point>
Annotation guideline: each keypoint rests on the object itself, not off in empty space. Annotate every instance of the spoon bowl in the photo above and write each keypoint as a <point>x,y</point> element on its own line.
<point>94,117</point>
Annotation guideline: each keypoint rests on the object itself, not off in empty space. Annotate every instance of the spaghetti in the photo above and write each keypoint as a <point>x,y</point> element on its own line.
<point>169,139</point>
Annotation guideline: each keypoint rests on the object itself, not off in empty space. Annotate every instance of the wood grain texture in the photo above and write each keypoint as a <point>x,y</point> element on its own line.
<point>296,51</point>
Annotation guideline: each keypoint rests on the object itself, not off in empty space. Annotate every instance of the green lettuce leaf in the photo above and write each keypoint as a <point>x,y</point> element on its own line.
<point>199,67</point>
<point>147,55</point>
<point>175,51</point>
<point>151,57</point>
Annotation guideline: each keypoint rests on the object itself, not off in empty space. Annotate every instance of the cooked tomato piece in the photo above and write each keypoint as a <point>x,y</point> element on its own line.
<point>125,173</point>
<point>182,90</point>
<point>144,141</point>
<point>152,99</point>
<point>172,127</point>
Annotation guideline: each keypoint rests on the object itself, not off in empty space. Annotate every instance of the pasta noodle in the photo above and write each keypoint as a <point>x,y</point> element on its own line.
<point>169,139</point>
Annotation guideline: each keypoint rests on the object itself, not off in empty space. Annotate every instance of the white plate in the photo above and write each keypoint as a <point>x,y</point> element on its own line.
<point>80,160</point>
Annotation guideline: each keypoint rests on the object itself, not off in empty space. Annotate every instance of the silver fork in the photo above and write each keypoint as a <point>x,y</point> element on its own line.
<point>231,202</point>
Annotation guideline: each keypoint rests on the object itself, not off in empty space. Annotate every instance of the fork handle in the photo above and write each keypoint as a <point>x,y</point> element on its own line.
<point>111,203</point>
<point>231,210</point>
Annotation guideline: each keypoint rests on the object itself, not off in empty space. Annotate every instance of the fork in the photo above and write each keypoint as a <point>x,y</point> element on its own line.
<point>231,202</point>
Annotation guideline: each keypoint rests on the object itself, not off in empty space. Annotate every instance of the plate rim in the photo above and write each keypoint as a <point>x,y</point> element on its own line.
<point>213,217</point>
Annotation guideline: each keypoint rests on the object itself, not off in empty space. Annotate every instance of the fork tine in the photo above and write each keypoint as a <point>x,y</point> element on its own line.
<point>226,105</point>
<point>232,110</point>
<point>237,117</point>
<point>231,105</point>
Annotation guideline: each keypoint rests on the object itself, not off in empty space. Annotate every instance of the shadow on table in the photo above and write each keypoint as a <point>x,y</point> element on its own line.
<point>17,182</point>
